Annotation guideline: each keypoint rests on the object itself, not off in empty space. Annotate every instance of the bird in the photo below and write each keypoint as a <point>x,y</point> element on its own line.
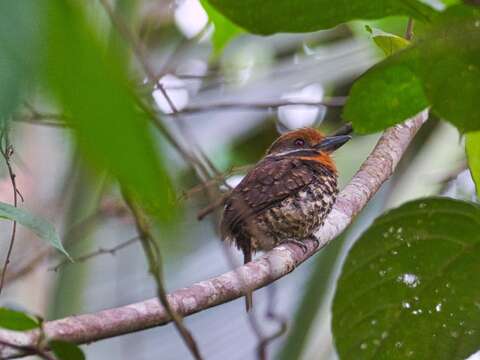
<point>286,196</point>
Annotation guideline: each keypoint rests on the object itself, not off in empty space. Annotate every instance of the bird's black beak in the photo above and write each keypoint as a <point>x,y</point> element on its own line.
<point>332,143</point>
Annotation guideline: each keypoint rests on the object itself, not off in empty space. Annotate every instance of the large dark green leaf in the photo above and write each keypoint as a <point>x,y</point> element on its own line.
<point>42,228</point>
<point>21,33</point>
<point>409,287</point>
<point>273,16</point>
<point>91,84</point>
<point>386,95</point>
<point>17,320</point>
<point>442,70</point>
<point>64,350</point>
<point>472,145</point>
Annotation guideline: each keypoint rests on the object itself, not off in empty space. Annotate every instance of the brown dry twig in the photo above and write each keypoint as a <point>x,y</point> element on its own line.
<point>409,31</point>
<point>101,251</point>
<point>331,102</point>
<point>7,152</point>
<point>27,350</point>
<point>376,169</point>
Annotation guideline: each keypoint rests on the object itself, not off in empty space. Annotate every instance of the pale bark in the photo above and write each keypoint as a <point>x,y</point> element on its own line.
<point>275,264</point>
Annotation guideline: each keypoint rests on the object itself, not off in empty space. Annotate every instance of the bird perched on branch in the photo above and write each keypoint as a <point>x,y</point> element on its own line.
<point>286,196</point>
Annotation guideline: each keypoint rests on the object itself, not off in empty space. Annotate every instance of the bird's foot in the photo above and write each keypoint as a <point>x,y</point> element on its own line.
<point>299,243</point>
<point>315,240</point>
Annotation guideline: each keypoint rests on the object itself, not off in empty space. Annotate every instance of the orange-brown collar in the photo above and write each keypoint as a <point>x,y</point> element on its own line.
<point>322,159</point>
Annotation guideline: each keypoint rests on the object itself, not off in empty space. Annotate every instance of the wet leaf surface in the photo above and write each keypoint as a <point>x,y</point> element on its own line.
<point>409,287</point>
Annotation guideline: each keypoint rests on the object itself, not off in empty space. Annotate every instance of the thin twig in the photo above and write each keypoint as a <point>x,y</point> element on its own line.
<point>346,129</point>
<point>139,53</point>
<point>138,50</point>
<point>43,120</point>
<point>55,120</point>
<point>338,101</point>
<point>212,206</point>
<point>7,151</point>
<point>100,251</point>
<point>409,31</point>
<point>153,255</point>
<point>214,181</point>
<point>28,350</point>
<point>272,315</point>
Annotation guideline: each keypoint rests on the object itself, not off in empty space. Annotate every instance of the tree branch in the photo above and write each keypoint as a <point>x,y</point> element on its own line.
<point>234,284</point>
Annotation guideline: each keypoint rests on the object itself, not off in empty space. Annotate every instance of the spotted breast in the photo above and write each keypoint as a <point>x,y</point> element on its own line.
<point>283,199</point>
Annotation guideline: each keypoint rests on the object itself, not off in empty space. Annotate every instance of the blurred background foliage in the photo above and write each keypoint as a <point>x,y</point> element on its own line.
<point>82,94</point>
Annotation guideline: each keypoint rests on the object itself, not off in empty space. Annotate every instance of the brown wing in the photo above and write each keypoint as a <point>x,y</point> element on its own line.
<point>271,181</point>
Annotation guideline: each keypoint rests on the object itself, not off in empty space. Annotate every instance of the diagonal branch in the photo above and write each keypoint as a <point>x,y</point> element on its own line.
<point>275,264</point>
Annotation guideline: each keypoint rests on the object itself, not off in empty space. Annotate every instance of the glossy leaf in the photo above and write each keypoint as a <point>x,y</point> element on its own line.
<point>472,146</point>
<point>409,287</point>
<point>441,70</point>
<point>111,129</point>
<point>42,228</point>
<point>273,16</point>
<point>17,320</point>
<point>64,350</point>
<point>21,34</point>
<point>224,30</point>
<point>383,97</point>
<point>388,43</point>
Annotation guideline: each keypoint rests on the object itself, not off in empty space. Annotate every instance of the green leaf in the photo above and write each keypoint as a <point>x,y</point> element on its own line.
<point>224,32</point>
<point>389,43</point>
<point>21,33</point>
<point>441,70</point>
<point>472,147</point>
<point>42,228</point>
<point>384,96</point>
<point>409,287</point>
<point>65,350</point>
<point>273,16</point>
<point>92,85</point>
<point>449,66</point>
<point>17,320</point>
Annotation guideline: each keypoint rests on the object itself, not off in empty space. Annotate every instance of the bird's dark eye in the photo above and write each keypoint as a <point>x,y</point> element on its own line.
<point>299,142</point>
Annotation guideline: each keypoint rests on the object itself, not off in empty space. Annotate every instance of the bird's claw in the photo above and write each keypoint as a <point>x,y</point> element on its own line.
<point>299,243</point>
<point>316,241</point>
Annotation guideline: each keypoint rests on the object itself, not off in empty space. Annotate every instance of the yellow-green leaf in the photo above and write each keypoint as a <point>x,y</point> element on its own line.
<point>388,43</point>
<point>472,147</point>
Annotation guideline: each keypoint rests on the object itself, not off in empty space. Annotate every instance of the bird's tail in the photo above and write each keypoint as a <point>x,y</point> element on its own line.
<point>247,257</point>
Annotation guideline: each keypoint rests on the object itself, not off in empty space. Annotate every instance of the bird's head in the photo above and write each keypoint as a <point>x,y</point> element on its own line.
<point>308,144</point>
